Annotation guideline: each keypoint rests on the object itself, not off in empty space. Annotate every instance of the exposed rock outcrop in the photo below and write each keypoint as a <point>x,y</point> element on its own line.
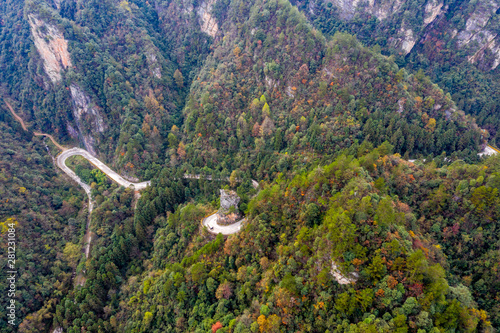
<point>347,7</point>
<point>477,22</point>
<point>408,40</point>
<point>57,3</point>
<point>433,8</point>
<point>478,36</point>
<point>85,113</point>
<point>340,277</point>
<point>228,199</point>
<point>490,42</point>
<point>208,23</point>
<point>495,48</point>
<point>228,212</point>
<point>270,82</point>
<point>51,46</point>
<point>382,10</point>
<point>154,66</point>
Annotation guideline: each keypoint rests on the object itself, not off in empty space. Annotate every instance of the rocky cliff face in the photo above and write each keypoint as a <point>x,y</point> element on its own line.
<point>57,3</point>
<point>53,49</point>
<point>228,199</point>
<point>207,22</point>
<point>385,10</point>
<point>154,66</point>
<point>51,46</point>
<point>479,36</point>
<point>86,116</point>
<point>433,8</point>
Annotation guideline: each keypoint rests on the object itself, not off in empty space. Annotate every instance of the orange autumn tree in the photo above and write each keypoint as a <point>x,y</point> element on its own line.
<point>216,326</point>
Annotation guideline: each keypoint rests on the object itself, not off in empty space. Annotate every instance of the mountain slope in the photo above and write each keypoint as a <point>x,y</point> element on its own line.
<point>262,91</point>
<point>49,217</point>
<point>98,72</point>
<point>456,43</point>
<point>332,249</point>
<point>340,236</point>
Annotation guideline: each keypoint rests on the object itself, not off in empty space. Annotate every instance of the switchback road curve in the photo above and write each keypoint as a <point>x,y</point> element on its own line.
<point>212,226</point>
<point>61,159</point>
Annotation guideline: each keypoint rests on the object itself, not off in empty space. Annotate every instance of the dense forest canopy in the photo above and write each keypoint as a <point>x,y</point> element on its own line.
<point>49,217</point>
<point>455,42</point>
<point>374,211</point>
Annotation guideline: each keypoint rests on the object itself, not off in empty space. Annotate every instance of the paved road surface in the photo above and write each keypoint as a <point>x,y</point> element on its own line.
<point>210,222</point>
<point>488,150</point>
<point>255,183</point>
<point>61,163</point>
<point>212,226</point>
<point>61,158</point>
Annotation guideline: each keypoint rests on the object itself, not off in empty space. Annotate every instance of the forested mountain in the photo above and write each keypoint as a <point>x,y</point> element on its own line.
<point>456,43</point>
<point>49,218</point>
<point>95,72</point>
<point>324,103</point>
<point>276,275</point>
<point>114,77</point>
<point>309,95</point>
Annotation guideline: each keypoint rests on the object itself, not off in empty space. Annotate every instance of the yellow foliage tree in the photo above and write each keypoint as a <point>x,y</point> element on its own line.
<point>72,253</point>
<point>431,125</point>
<point>4,226</point>
<point>269,325</point>
<point>237,51</point>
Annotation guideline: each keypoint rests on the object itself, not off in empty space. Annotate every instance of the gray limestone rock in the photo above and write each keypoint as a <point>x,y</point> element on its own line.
<point>228,199</point>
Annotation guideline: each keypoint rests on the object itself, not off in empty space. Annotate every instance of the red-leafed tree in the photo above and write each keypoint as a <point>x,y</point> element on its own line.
<point>216,326</point>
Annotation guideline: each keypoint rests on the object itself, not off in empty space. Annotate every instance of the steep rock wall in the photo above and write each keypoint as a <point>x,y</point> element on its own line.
<point>57,3</point>
<point>86,116</point>
<point>154,66</point>
<point>477,22</point>
<point>433,8</point>
<point>208,23</point>
<point>51,46</point>
<point>53,49</point>
<point>477,36</point>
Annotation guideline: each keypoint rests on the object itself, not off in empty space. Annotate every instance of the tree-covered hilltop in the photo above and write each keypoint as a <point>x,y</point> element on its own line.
<point>365,243</point>
<point>455,42</point>
<point>340,236</point>
<point>457,207</point>
<point>274,84</point>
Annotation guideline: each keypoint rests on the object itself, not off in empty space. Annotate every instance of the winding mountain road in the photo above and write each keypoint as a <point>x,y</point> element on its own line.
<point>61,159</point>
<point>61,163</point>
<point>211,223</point>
